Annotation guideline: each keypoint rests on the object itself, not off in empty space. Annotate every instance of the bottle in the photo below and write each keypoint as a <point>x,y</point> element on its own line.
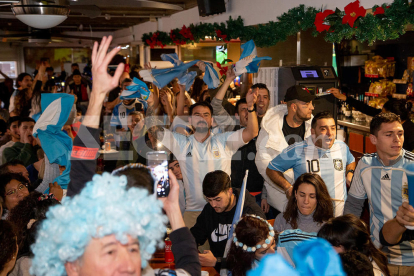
<point>169,257</point>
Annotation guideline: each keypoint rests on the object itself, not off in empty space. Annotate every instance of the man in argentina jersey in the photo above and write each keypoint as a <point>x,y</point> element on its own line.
<point>380,178</point>
<point>205,152</point>
<point>121,111</point>
<point>320,153</point>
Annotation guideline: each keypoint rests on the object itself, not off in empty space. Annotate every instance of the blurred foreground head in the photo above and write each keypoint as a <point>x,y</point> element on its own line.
<point>106,229</point>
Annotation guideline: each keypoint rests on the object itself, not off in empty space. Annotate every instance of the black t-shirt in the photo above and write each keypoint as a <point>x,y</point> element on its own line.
<point>291,134</point>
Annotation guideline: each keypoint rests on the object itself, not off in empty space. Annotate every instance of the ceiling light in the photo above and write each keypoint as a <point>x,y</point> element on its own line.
<point>41,16</point>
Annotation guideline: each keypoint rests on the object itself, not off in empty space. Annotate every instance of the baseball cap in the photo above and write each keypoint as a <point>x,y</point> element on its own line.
<point>299,92</point>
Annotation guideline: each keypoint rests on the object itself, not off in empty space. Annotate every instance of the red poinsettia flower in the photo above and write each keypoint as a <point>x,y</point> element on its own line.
<point>319,20</point>
<point>186,32</point>
<point>352,11</point>
<point>222,36</point>
<point>379,10</point>
<point>154,41</point>
<point>223,70</point>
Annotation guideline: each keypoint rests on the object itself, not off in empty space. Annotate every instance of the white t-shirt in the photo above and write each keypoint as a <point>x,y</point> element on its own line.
<point>197,159</point>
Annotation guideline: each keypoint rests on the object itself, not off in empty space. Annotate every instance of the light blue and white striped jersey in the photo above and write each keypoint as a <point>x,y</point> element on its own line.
<point>197,159</point>
<point>120,113</point>
<point>289,239</point>
<point>330,164</point>
<point>386,188</point>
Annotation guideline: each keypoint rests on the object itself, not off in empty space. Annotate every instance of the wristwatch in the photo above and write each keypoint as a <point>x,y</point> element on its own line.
<point>352,171</point>
<point>253,110</point>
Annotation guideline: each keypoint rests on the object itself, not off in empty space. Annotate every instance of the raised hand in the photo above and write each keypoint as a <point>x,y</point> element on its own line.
<point>230,75</point>
<point>251,97</point>
<point>102,81</point>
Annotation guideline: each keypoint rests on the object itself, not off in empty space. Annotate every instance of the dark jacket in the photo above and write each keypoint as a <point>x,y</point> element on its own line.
<point>243,160</point>
<point>215,227</point>
<point>25,153</point>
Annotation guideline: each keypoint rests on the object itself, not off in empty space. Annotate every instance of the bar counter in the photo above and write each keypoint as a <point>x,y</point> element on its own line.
<point>352,123</point>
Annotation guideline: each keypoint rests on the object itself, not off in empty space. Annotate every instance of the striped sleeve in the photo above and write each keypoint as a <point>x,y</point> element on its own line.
<point>357,186</point>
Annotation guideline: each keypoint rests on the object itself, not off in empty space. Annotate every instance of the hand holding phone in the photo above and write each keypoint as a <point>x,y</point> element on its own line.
<point>158,164</point>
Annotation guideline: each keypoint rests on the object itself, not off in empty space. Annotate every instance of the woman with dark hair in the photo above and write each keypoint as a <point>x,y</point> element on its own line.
<point>308,208</point>
<point>254,238</point>
<point>8,247</point>
<point>32,208</point>
<point>26,217</point>
<point>22,103</point>
<point>349,233</point>
<point>199,87</point>
<point>13,189</point>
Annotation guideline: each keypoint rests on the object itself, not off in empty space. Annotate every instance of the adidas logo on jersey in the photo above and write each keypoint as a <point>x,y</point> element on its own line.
<point>189,154</point>
<point>325,156</point>
<point>385,177</point>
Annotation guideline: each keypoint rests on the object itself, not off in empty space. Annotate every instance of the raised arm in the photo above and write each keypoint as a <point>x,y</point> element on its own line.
<point>4,75</point>
<point>102,81</point>
<point>252,129</point>
<point>181,101</point>
<point>86,143</point>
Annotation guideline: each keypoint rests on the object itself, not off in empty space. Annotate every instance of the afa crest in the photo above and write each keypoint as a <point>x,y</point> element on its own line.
<point>338,165</point>
<point>404,192</point>
<point>216,153</point>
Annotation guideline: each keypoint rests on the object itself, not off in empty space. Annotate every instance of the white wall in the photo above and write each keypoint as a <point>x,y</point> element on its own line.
<point>252,11</point>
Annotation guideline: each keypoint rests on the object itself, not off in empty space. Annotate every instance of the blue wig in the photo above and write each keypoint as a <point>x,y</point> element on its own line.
<point>104,207</point>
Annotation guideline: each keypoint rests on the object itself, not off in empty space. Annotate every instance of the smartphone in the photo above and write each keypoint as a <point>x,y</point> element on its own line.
<point>157,161</point>
<point>59,86</point>
<point>138,107</point>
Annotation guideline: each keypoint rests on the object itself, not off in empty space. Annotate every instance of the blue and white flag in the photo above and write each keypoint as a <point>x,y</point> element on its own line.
<point>56,144</point>
<point>162,77</point>
<point>138,89</point>
<point>173,58</point>
<point>249,61</point>
<point>237,216</point>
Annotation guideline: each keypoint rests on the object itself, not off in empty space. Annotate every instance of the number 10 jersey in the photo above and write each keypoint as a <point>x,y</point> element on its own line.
<point>330,164</point>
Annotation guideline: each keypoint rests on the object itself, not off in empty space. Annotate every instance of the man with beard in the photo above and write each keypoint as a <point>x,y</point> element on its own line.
<point>320,154</point>
<point>215,220</point>
<point>282,126</point>
<point>204,151</point>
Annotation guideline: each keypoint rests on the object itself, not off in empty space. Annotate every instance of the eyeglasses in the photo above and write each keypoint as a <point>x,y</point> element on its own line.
<point>14,191</point>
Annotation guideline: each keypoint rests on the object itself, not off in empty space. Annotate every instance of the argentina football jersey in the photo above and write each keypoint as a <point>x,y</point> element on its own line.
<point>386,188</point>
<point>330,164</point>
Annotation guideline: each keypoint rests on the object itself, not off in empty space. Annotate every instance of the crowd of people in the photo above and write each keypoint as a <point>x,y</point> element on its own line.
<point>303,195</point>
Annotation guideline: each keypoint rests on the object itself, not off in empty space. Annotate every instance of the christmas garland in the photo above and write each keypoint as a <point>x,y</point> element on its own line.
<point>383,23</point>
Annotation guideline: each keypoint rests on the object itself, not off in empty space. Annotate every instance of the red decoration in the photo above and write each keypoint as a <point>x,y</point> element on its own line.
<point>223,70</point>
<point>319,20</point>
<point>186,32</point>
<point>222,36</point>
<point>380,10</point>
<point>175,40</point>
<point>352,11</point>
<point>154,41</point>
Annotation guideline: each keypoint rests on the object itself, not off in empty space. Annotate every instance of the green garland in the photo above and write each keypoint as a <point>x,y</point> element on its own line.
<point>369,28</point>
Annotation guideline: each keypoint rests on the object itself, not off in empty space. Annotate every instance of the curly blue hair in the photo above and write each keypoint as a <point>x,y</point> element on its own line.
<point>104,207</point>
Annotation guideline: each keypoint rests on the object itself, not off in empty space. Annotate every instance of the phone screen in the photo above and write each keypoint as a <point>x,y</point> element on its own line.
<point>158,164</point>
